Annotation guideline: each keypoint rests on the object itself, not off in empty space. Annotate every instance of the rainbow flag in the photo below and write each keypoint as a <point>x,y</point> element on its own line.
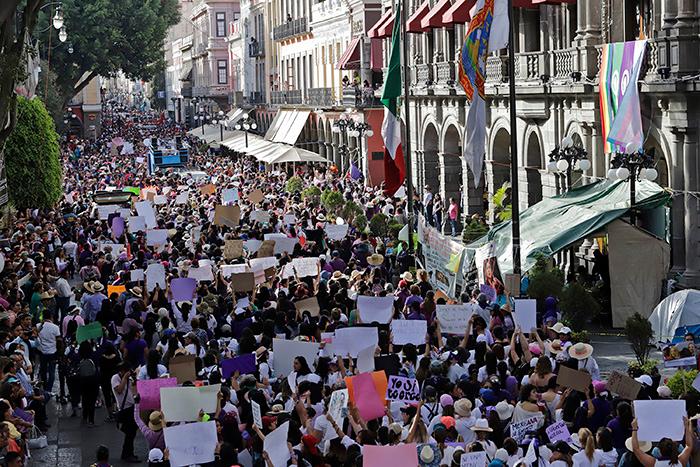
<point>488,32</point>
<point>620,114</point>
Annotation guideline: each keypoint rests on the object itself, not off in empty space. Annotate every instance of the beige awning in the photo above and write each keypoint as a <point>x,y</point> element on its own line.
<point>287,126</point>
<point>285,153</point>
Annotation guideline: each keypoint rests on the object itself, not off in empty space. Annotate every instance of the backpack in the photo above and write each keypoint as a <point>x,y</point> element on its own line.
<point>87,368</point>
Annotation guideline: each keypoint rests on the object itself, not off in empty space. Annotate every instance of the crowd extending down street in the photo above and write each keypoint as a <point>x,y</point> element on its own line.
<point>229,321</point>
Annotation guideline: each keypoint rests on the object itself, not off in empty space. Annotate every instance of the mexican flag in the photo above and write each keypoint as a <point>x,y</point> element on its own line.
<point>394,167</point>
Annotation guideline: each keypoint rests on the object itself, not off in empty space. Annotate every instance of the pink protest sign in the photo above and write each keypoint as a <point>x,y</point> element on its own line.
<point>367,400</point>
<point>381,456</point>
<point>149,390</point>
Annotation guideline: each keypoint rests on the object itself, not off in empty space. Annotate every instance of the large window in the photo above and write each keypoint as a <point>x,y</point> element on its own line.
<point>222,70</point>
<point>221,24</point>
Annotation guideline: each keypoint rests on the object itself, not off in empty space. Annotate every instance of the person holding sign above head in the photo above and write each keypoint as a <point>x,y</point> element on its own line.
<point>668,449</point>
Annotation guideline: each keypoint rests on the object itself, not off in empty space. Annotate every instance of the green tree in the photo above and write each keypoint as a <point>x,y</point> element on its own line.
<point>33,158</point>
<point>544,281</point>
<point>379,225</point>
<point>332,199</point>
<point>109,36</point>
<point>639,333</point>
<point>501,201</point>
<point>293,185</point>
<point>578,305</point>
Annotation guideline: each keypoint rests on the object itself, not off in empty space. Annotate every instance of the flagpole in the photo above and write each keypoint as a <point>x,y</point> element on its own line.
<point>515,207</point>
<point>407,132</point>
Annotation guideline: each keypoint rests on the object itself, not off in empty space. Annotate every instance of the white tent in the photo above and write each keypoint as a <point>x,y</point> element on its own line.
<point>285,153</point>
<point>680,310</point>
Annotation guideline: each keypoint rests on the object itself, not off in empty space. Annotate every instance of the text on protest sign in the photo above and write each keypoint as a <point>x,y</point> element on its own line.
<point>403,389</point>
<point>519,430</point>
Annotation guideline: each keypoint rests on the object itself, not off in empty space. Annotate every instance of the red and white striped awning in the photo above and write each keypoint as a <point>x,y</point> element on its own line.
<point>350,60</point>
<point>374,29</point>
<point>434,17</point>
<point>413,23</point>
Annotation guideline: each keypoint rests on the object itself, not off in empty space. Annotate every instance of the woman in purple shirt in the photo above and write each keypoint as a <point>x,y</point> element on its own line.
<point>621,426</point>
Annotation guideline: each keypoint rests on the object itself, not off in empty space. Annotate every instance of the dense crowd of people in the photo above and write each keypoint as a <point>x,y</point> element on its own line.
<point>493,389</point>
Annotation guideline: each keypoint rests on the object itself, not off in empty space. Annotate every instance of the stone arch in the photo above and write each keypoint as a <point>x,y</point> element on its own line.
<point>533,157</point>
<point>498,163</point>
<point>451,166</point>
<point>664,157</point>
<point>431,160</point>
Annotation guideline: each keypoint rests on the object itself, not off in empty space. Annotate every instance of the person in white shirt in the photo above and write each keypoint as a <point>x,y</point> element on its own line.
<point>47,341</point>
<point>63,293</point>
<point>589,455</point>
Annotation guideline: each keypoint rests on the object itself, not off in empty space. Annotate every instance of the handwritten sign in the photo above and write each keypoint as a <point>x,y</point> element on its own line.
<point>155,275</point>
<point>255,196</point>
<point>409,331</point>
<point>229,216</point>
<point>191,443</point>
<point>182,404</point>
<point>574,379</point>
<point>473,459</point>
<point>309,304</point>
<point>453,318</point>
<point>305,267</point>
<point>336,232</point>
<point>624,386</point>
<point>339,402</point>
<point>257,416</point>
<point>519,430</point>
<point>233,249</point>
<point>558,432</point>
<point>403,389</point>
<point>375,309</point>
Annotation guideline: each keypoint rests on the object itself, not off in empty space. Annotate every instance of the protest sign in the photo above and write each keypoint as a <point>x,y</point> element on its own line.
<point>660,419</point>
<point>267,249</point>
<point>338,402</point>
<point>275,445</point>
<point>103,212</point>
<point>145,210</point>
<point>350,341</point>
<point>260,216</point>
<point>156,237</point>
<point>227,270</point>
<point>623,385</point>
<point>574,379</point>
<point>519,430</point>
<point>453,318</point>
<point>182,198</point>
<point>89,331</point>
<point>208,189</point>
<point>409,331</point>
<point>473,459</point>
<point>489,291</point>
<point>403,389</point>
<point>117,226</point>
<point>282,243</point>
<point>182,367</point>
<point>257,416</point>
<point>558,432</point>
<point>255,196</point>
<point>287,271</point>
<point>244,365</point>
<point>383,456</point>
<point>680,362</point>
<point>243,282</point>
<point>375,309</point>
<point>136,275</point>
<point>159,200</point>
<point>137,224</point>
<point>308,304</point>
<point>182,404</point>
<point>286,351</point>
<point>336,232</point>
<point>367,400</point>
<point>525,314</point>
<point>149,391</point>
<point>191,443</point>
<point>229,195</point>
<point>306,267</point>
<point>229,216</point>
<point>233,249</point>
<point>512,284</point>
<point>183,288</point>
<point>203,273</point>
<point>380,385</point>
<point>365,359</point>
<point>155,275</point>
<point>117,289</point>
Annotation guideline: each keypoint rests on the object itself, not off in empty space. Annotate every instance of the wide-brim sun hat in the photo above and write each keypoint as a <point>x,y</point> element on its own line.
<point>463,407</point>
<point>481,425</point>
<point>375,259</point>
<point>644,446</point>
<point>580,351</point>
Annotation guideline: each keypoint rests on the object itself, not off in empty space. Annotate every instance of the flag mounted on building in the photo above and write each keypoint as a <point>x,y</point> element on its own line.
<point>394,166</point>
<point>488,32</point>
<point>620,113</point>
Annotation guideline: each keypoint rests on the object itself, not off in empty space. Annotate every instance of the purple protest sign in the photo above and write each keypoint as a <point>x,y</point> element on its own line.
<point>117,226</point>
<point>489,291</point>
<point>245,364</point>
<point>183,288</point>
<point>149,391</point>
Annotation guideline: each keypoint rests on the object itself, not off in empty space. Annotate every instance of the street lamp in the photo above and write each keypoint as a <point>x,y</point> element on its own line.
<point>220,115</point>
<point>246,124</point>
<point>359,130</point>
<point>635,166</point>
<point>342,127</point>
<point>62,34</point>
<point>58,17</point>
<point>567,157</point>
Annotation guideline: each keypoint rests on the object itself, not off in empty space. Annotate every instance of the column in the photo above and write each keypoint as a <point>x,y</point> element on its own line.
<point>692,230</point>
<point>678,206</point>
<point>670,13</point>
<point>594,153</point>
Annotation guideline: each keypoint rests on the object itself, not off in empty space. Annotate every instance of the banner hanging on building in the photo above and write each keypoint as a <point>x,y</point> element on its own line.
<point>620,113</point>
<point>442,257</point>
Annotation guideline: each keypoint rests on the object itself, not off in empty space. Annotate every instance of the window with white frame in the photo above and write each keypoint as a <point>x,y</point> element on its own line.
<point>222,69</point>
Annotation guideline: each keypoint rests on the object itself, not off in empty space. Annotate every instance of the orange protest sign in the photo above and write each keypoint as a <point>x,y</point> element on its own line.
<point>380,385</point>
<point>117,289</point>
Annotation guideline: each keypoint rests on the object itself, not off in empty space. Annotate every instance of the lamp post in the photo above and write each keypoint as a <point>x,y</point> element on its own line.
<point>359,130</point>
<point>563,159</point>
<point>342,127</point>
<point>636,166</point>
<point>246,124</point>
<point>220,122</point>
<point>202,116</point>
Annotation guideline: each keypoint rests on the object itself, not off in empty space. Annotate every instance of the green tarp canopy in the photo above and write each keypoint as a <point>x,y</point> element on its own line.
<point>554,223</point>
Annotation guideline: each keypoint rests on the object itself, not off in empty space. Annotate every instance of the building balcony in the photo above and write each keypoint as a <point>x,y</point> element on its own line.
<point>446,73</point>
<point>199,50</point>
<point>255,98</point>
<point>234,30</point>
<point>423,75</point>
<point>360,98</point>
<point>320,97</point>
<point>291,29</point>
<point>256,49</point>
<point>291,97</point>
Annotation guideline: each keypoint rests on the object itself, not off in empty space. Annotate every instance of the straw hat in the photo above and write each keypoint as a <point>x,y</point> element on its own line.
<point>644,446</point>
<point>375,259</point>
<point>555,347</point>
<point>407,276</point>
<point>97,287</point>
<point>463,407</point>
<point>137,291</point>
<point>580,351</point>
<point>337,275</point>
<point>355,274</point>
<point>557,327</point>
<point>48,295</point>
<point>481,425</point>
<point>155,420</point>
<point>88,286</point>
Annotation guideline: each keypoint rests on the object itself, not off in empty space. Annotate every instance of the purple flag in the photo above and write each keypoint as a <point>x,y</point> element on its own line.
<point>117,226</point>
<point>354,172</point>
<point>183,288</point>
<point>245,364</point>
